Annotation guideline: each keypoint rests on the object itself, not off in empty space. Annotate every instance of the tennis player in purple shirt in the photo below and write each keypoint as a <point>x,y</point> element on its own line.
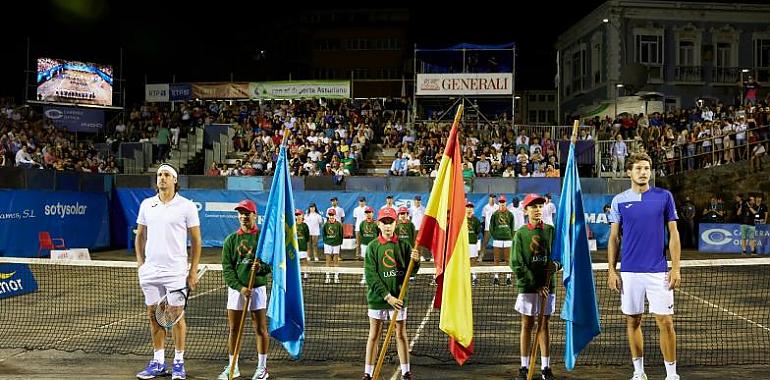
<point>642,213</point>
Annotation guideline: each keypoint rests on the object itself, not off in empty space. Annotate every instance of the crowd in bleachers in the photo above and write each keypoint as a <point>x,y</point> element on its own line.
<point>688,139</point>
<point>29,140</point>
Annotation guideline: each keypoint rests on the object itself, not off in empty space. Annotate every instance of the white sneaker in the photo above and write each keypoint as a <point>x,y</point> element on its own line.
<point>672,377</point>
<point>336,279</point>
<point>363,282</point>
<point>315,259</point>
<point>328,279</point>
<point>225,375</point>
<point>639,376</point>
<point>260,374</point>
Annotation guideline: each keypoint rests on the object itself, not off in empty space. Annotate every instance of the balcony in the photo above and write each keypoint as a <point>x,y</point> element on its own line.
<point>725,75</point>
<point>688,74</point>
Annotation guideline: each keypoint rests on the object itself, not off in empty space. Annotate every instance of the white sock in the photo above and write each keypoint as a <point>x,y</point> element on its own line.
<point>670,368</point>
<point>508,275</point>
<point>159,356</point>
<point>178,356</point>
<point>304,275</point>
<point>231,361</point>
<point>368,369</point>
<point>496,275</point>
<point>262,360</point>
<point>336,275</point>
<point>473,275</point>
<point>639,364</point>
<point>545,361</point>
<point>404,368</point>
<point>525,361</point>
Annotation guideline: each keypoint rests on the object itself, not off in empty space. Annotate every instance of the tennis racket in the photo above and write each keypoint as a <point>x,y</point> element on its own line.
<point>166,314</point>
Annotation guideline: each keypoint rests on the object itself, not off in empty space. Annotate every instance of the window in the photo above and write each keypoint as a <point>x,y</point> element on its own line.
<point>532,98</point>
<point>686,53</point>
<point>551,98</point>
<point>724,52</point>
<point>541,116</point>
<point>541,98</point>
<point>596,63</point>
<point>532,116</point>
<point>551,116</point>
<point>649,49</point>
<point>578,70</point>
<point>762,59</point>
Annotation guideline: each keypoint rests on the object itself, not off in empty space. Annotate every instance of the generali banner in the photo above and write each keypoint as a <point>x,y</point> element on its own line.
<point>339,89</point>
<point>465,84</point>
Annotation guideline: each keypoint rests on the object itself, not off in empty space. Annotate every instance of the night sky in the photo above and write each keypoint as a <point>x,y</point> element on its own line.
<point>209,42</point>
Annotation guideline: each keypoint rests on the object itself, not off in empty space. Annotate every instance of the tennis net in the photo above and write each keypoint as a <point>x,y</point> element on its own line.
<point>722,316</point>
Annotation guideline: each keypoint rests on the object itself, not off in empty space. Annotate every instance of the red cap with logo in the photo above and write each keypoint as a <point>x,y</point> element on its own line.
<point>501,198</point>
<point>247,205</point>
<point>331,211</point>
<point>387,212</point>
<point>532,198</point>
<point>298,212</point>
<point>403,210</point>
<point>369,209</point>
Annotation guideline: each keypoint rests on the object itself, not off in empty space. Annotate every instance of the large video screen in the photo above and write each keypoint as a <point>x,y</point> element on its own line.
<point>77,82</point>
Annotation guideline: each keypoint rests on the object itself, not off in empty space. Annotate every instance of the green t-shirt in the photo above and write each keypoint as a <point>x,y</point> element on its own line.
<point>368,231</point>
<point>501,226</point>
<point>332,233</point>
<point>349,163</point>
<point>238,252</point>
<point>474,229</point>
<point>303,236</point>
<point>530,251</point>
<point>385,269</point>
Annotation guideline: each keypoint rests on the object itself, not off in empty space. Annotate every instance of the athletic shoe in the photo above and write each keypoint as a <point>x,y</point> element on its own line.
<point>366,376</point>
<point>672,377</point>
<point>547,374</point>
<point>154,369</point>
<point>496,281</point>
<point>407,376</point>
<point>226,373</point>
<point>523,372</point>
<point>177,370</point>
<point>336,279</point>
<point>475,282</point>
<point>639,376</point>
<point>508,281</point>
<point>260,374</point>
<point>363,282</point>
<point>328,279</point>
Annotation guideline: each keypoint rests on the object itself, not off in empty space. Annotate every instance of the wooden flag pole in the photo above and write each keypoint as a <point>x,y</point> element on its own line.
<point>540,320</point>
<point>237,348</point>
<point>391,327</point>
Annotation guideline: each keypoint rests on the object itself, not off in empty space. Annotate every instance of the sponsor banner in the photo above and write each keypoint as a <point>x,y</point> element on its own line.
<point>75,119</point>
<point>218,217</point>
<point>726,238</point>
<point>180,92</point>
<point>15,280</point>
<point>156,92</point>
<point>81,219</point>
<point>465,84</point>
<point>220,90</point>
<point>339,89</point>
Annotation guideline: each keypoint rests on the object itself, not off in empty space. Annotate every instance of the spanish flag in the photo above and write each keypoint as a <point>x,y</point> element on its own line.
<point>444,232</point>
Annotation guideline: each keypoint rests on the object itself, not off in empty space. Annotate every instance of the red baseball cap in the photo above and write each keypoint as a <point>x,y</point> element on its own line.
<point>501,198</point>
<point>532,198</point>
<point>387,212</point>
<point>298,212</point>
<point>403,210</point>
<point>247,205</point>
<point>331,211</point>
<point>369,209</point>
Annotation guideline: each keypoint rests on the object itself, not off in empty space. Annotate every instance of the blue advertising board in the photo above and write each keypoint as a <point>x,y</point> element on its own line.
<point>76,119</point>
<point>726,238</point>
<point>15,280</point>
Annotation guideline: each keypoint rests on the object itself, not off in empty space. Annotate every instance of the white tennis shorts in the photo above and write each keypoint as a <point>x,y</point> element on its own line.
<point>529,304</point>
<point>475,249</point>
<point>258,300</point>
<point>384,315</point>
<point>302,255</point>
<point>501,244</point>
<point>363,249</point>
<point>155,284</point>
<point>332,249</point>
<point>652,285</point>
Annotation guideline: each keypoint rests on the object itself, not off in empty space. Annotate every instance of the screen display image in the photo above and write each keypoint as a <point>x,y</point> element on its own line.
<point>76,82</point>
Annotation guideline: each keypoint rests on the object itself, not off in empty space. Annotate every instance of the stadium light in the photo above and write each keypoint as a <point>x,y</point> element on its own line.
<point>605,20</point>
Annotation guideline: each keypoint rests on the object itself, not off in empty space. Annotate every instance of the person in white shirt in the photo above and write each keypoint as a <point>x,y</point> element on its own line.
<point>417,211</point>
<point>314,222</point>
<point>339,210</point>
<point>359,215</point>
<point>388,203</point>
<point>24,159</point>
<point>164,223</point>
<point>549,209</point>
<point>486,213</point>
<point>518,213</point>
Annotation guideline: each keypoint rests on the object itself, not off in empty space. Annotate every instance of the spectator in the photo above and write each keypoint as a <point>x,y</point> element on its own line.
<point>483,167</point>
<point>399,166</point>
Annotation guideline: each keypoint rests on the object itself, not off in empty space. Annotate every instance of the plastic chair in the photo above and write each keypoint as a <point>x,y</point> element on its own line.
<point>45,241</point>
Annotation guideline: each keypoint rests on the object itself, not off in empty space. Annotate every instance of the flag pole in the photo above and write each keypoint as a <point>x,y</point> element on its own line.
<point>391,327</point>
<point>575,127</point>
<point>540,320</point>
<point>237,348</point>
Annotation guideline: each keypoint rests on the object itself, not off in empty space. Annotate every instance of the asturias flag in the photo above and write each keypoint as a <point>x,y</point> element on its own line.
<point>444,232</point>
<point>278,247</point>
<point>580,310</point>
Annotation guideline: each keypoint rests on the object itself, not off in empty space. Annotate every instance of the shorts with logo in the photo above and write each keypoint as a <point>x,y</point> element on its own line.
<point>332,249</point>
<point>652,285</point>
<point>258,300</point>
<point>501,244</point>
<point>387,314</point>
<point>156,284</point>
<point>529,304</point>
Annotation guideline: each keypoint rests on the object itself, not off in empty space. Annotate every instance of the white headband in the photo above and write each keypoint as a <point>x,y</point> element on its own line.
<point>169,168</point>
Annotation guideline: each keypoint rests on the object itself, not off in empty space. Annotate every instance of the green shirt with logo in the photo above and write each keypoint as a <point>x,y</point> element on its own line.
<point>501,226</point>
<point>368,231</point>
<point>303,236</point>
<point>530,251</point>
<point>238,253</point>
<point>474,229</point>
<point>332,233</point>
<point>385,269</point>
<point>406,232</point>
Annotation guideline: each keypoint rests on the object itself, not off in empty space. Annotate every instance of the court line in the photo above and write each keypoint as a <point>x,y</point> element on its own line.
<point>417,333</point>
<point>102,327</point>
<point>715,306</point>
